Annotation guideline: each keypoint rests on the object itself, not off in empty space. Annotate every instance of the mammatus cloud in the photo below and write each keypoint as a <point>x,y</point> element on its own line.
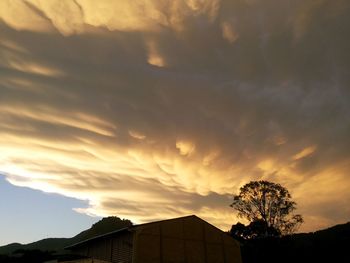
<point>154,109</point>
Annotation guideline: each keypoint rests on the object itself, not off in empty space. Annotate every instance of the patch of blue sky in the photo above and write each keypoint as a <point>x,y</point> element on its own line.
<point>29,215</point>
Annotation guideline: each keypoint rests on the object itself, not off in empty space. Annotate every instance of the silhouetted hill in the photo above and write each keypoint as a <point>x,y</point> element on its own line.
<point>338,232</point>
<point>103,226</point>
<point>10,247</point>
<point>57,245</point>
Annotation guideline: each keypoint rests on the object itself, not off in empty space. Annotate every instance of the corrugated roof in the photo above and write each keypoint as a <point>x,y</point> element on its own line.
<point>97,237</point>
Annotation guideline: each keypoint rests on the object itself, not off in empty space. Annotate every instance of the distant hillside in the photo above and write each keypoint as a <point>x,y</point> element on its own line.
<point>338,232</point>
<point>103,226</point>
<point>10,247</point>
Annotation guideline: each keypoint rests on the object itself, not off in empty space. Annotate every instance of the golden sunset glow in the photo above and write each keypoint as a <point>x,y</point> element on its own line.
<point>153,109</point>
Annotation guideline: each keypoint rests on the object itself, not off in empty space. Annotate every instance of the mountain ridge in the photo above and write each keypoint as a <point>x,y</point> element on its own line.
<point>57,245</point>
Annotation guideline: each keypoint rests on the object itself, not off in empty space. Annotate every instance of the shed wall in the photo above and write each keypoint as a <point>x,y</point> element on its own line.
<point>189,240</point>
<point>116,249</point>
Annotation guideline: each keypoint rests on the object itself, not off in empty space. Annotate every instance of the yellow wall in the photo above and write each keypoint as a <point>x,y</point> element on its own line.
<point>187,239</point>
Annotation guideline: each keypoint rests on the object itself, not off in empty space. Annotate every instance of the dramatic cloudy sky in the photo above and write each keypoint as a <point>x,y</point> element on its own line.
<point>151,109</point>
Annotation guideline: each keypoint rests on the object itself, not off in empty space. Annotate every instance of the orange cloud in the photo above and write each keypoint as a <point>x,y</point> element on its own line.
<point>305,152</point>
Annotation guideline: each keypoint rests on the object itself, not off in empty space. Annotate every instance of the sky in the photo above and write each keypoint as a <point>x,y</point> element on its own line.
<point>153,109</point>
<point>28,215</point>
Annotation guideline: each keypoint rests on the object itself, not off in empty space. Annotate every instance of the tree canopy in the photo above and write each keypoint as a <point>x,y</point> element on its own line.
<point>269,209</point>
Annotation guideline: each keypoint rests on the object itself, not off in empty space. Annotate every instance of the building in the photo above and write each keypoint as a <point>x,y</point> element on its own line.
<point>179,240</point>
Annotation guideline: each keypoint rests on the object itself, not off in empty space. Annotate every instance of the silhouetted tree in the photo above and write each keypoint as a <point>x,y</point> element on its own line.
<point>268,207</point>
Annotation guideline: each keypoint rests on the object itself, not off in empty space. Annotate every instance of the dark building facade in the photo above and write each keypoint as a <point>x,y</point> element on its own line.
<point>179,240</point>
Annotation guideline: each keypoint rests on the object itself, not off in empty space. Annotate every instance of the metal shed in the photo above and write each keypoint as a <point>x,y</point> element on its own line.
<point>180,240</point>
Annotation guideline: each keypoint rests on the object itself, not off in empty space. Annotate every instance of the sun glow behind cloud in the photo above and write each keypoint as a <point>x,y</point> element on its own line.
<point>169,107</point>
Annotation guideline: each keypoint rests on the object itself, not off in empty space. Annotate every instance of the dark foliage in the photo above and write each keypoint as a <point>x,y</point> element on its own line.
<point>330,245</point>
<point>27,256</point>
<point>254,230</point>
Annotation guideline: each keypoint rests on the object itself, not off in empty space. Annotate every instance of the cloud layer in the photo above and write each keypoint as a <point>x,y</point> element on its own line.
<point>154,109</point>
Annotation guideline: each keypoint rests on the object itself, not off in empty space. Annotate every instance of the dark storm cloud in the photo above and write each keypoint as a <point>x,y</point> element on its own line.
<point>186,101</point>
